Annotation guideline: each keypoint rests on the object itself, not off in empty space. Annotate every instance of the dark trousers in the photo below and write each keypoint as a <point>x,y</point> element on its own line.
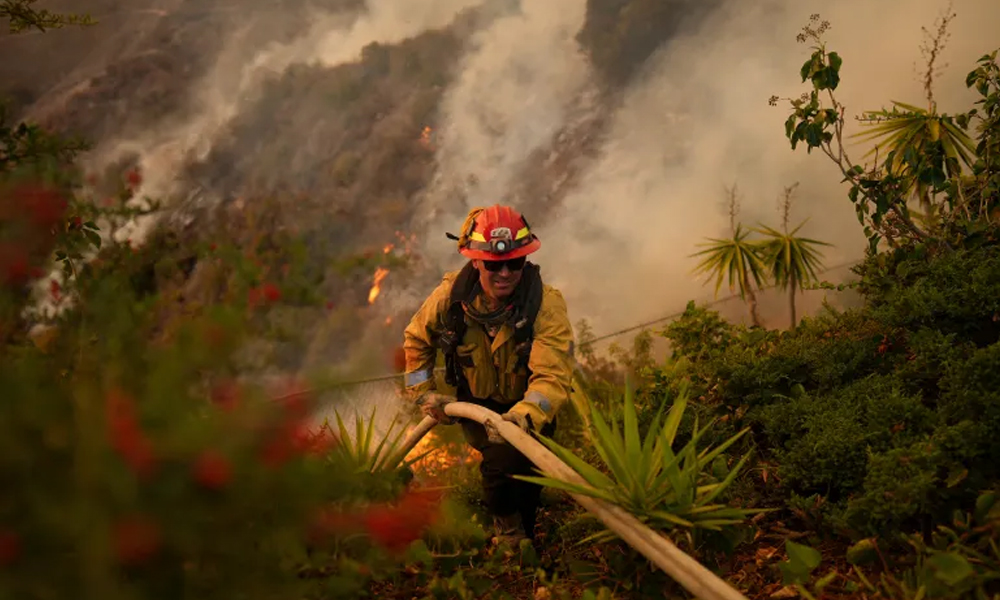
<point>504,495</point>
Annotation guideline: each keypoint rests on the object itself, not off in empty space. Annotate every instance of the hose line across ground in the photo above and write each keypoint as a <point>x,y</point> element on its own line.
<point>658,549</point>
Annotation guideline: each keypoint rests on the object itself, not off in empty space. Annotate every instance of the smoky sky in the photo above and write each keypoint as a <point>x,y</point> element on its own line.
<point>693,121</point>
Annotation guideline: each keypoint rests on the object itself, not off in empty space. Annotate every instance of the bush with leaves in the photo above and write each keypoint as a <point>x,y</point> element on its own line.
<point>959,560</point>
<point>137,467</point>
<point>885,412</point>
<point>923,151</point>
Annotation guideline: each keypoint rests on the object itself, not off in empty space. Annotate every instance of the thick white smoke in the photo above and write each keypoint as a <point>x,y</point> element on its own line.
<point>699,121</point>
<point>239,73</point>
<point>510,97</point>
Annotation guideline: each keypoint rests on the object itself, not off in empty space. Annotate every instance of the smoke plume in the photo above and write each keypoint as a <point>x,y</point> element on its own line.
<point>238,75</point>
<point>510,97</point>
<point>699,120</point>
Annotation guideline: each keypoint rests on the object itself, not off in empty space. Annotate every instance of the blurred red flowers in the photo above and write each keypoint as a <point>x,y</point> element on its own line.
<point>268,292</point>
<point>15,265</point>
<point>225,394</point>
<point>136,539</point>
<point>127,437</point>
<point>213,470</point>
<point>395,527</point>
<point>43,205</point>
<point>134,178</point>
<point>392,526</point>
<point>10,547</point>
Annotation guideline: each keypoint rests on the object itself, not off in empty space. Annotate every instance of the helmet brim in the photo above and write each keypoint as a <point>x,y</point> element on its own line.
<point>525,250</point>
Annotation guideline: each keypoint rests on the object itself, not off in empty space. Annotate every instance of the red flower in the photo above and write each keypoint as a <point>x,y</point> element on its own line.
<point>396,527</point>
<point>329,305</point>
<point>45,206</point>
<point>257,295</point>
<point>277,452</point>
<point>15,265</point>
<point>213,246</point>
<point>226,394</point>
<point>315,443</point>
<point>55,289</point>
<point>75,223</point>
<point>330,521</point>
<point>134,178</point>
<point>10,547</point>
<point>126,436</point>
<point>136,539</point>
<point>295,438</point>
<point>271,292</point>
<point>213,470</point>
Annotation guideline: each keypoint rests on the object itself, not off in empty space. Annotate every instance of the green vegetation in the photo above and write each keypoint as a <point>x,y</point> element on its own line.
<point>21,15</point>
<point>853,455</point>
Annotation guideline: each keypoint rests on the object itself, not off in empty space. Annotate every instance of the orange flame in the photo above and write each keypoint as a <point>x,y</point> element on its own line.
<point>380,273</point>
<point>425,137</point>
<point>445,456</point>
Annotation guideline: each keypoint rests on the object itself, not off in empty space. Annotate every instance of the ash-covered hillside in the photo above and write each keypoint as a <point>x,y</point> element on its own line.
<point>615,124</point>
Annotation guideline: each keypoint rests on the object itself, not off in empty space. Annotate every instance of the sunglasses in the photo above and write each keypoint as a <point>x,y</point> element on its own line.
<point>513,264</point>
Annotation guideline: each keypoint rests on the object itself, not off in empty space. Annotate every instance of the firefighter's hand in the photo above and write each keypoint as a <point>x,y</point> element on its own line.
<point>432,404</point>
<point>522,421</point>
<point>492,433</point>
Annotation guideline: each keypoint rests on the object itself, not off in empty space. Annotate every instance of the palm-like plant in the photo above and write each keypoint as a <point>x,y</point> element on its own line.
<point>735,258</point>
<point>740,262</point>
<point>661,487</point>
<point>921,146</point>
<point>791,261</point>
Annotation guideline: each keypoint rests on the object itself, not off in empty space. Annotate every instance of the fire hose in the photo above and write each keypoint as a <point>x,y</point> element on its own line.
<point>659,550</point>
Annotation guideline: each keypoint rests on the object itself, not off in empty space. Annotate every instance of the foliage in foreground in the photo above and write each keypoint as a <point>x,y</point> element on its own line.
<point>665,489</point>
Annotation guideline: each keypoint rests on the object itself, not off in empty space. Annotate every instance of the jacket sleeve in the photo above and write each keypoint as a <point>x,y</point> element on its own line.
<point>418,341</point>
<point>551,362</point>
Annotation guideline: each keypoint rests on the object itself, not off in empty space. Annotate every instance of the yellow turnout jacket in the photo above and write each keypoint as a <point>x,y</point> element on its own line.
<point>494,373</point>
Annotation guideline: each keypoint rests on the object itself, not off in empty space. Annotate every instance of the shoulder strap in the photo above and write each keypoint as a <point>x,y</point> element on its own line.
<point>454,322</point>
<point>531,302</point>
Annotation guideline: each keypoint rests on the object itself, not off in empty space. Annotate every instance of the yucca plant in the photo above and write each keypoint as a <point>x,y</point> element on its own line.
<point>735,258</point>
<point>663,488</point>
<point>791,261</point>
<point>362,454</point>
<point>910,137</point>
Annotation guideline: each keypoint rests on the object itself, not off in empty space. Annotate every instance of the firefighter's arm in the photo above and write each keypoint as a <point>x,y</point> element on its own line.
<point>418,341</point>
<point>551,362</point>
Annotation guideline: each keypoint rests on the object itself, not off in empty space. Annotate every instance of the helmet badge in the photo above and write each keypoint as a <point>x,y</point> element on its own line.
<point>500,239</point>
<point>500,233</point>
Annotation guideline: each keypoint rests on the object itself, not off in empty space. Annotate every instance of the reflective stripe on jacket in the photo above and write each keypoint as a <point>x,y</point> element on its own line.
<point>491,367</point>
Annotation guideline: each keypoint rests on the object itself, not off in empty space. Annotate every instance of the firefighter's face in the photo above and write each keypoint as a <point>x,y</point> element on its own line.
<point>500,278</point>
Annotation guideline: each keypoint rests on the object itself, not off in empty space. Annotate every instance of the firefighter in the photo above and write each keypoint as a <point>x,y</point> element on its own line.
<point>508,346</point>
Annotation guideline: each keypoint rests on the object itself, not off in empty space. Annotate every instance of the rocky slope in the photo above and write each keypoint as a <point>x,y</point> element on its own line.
<point>339,110</point>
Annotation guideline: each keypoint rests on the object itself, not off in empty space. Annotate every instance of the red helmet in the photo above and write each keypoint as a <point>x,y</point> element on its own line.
<point>496,233</point>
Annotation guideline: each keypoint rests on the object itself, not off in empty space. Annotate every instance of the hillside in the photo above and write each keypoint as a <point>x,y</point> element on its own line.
<point>354,141</point>
<point>187,302</point>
